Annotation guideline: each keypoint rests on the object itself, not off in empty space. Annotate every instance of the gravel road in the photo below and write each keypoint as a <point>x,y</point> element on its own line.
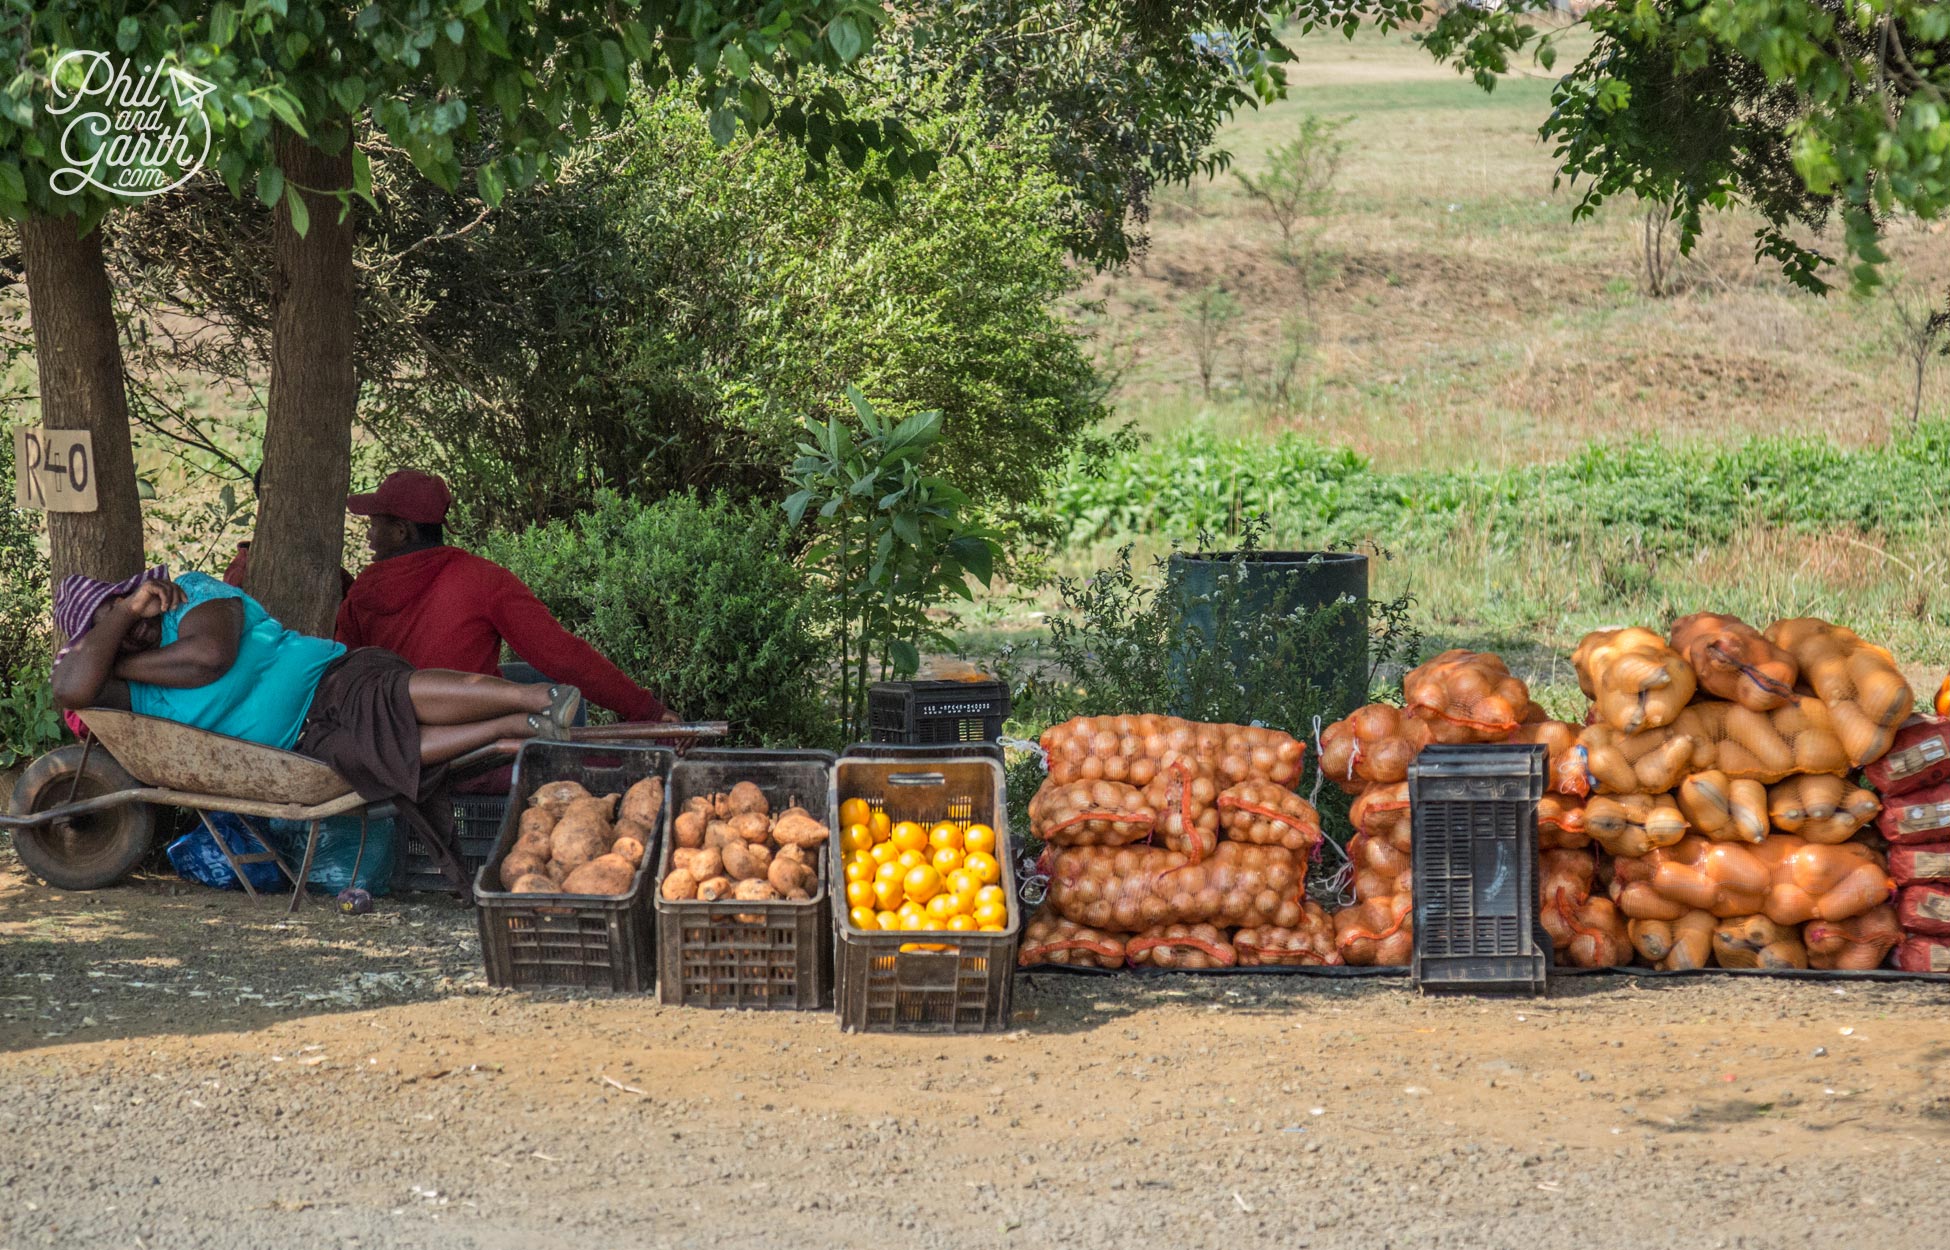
<point>178,1069</point>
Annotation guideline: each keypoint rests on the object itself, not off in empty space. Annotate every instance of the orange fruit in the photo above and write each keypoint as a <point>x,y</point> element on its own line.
<point>922,883</point>
<point>855,812</point>
<point>856,838</point>
<point>983,867</point>
<point>889,871</point>
<point>859,894</point>
<point>912,921</point>
<point>910,860</point>
<point>991,915</point>
<point>941,906</point>
<point>863,918</point>
<point>992,928</point>
<point>945,835</point>
<point>979,838</point>
<point>860,868</point>
<point>881,825</point>
<point>946,861</point>
<point>991,894</point>
<point>961,881</point>
<point>909,836</point>
<point>888,894</point>
<point>962,924</point>
<point>966,901</point>
<point>884,853</point>
<point>889,920</point>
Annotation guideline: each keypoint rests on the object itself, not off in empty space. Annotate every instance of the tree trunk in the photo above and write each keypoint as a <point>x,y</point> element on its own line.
<point>79,355</point>
<point>300,535</point>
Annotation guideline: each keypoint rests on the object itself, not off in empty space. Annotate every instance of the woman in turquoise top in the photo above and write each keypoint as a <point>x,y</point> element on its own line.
<point>206,654</point>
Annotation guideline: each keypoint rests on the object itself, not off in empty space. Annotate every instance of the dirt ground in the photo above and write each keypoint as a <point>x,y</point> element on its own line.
<point>180,1069</point>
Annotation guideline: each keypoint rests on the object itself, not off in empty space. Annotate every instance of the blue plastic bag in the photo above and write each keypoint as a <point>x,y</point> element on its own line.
<point>338,847</point>
<point>196,858</point>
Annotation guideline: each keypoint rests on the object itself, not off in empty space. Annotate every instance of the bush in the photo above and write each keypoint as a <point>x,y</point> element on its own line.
<point>29,724</point>
<point>698,601</point>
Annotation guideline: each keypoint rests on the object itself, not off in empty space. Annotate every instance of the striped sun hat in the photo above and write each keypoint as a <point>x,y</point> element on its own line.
<point>78,596</point>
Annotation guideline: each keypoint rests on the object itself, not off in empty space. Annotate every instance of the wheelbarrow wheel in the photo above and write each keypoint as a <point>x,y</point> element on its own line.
<point>89,851</point>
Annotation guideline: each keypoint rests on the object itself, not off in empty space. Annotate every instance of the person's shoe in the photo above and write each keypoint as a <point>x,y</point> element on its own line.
<point>564,705</point>
<point>545,728</point>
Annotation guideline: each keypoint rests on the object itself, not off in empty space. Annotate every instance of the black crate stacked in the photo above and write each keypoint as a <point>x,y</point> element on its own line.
<point>1475,866</point>
<point>936,713</point>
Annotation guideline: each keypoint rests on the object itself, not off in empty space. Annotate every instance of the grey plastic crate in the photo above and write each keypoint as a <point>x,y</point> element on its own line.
<point>936,713</point>
<point>1474,809</point>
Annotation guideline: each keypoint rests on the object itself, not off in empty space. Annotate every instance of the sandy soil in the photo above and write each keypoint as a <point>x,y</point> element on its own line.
<point>178,1069</point>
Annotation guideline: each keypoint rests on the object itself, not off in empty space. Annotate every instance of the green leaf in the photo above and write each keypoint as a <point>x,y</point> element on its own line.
<point>491,184</point>
<point>844,34</point>
<point>223,25</point>
<point>795,507</point>
<point>13,187</point>
<point>270,185</point>
<point>724,126</point>
<point>128,34</point>
<point>905,656</point>
<point>300,215</point>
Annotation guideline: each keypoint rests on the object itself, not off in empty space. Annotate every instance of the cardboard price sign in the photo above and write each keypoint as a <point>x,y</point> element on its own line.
<point>54,470</point>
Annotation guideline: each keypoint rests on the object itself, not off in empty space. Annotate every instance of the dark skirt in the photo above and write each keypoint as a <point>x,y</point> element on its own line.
<point>361,722</point>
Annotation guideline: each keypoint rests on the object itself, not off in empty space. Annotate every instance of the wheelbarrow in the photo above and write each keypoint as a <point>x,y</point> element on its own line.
<point>83,815</point>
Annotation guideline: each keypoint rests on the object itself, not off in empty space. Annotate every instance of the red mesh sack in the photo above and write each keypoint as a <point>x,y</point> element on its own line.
<point>1111,748</point>
<point>1918,758</point>
<point>1859,682</point>
<point>1632,824</point>
<point>1134,888</point>
<point>1560,823</point>
<point>1757,942</point>
<point>1266,814</point>
<point>1185,799</point>
<point>1693,874</point>
<point>1923,954</point>
<point>1466,696</point>
<point>1856,944</point>
<point>1381,811</point>
<point>1928,862</point>
<point>1380,868</point>
<point>1916,818</point>
<point>1683,943</point>
<point>1724,809</point>
<point>1732,660</point>
<point>1564,872</point>
<point>1371,746</point>
<point>1559,740</point>
<point>1924,909</point>
<point>1309,944</point>
<point>1587,934</point>
<point>1824,809</point>
<point>1050,939</point>
<point>1182,946</point>
<point>1090,813</point>
<point>1379,933</point>
<point>1814,882</point>
<point>1714,735</point>
<point>1634,680</point>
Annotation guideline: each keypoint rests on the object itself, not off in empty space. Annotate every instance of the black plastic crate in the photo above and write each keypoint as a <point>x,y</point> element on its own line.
<point>932,982</point>
<point>1474,810</point>
<point>534,941</point>
<point>927,713</point>
<point>477,827</point>
<point>769,955</point>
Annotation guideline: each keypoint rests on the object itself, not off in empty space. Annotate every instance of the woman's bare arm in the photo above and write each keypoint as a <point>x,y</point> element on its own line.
<point>205,648</point>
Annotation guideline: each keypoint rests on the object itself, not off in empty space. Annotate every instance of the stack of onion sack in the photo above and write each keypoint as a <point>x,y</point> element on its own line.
<point>1914,781</point>
<point>1174,844</point>
<point>1716,766</point>
<point>1459,696</point>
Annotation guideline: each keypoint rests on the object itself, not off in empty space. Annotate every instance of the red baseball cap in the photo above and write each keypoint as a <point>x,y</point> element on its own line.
<point>409,495</point>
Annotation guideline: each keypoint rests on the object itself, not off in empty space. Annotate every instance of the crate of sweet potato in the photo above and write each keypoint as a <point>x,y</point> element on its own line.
<point>741,896</point>
<point>564,899</point>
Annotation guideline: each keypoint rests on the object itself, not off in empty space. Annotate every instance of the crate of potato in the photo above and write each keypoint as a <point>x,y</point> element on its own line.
<point>741,892</point>
<point>925,834</point>
<point>564,900</point>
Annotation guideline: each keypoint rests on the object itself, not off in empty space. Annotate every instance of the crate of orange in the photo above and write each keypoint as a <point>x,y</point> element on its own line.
<point>925,910</point>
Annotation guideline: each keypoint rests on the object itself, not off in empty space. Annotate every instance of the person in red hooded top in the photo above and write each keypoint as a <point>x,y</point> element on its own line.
<point>441,607</point>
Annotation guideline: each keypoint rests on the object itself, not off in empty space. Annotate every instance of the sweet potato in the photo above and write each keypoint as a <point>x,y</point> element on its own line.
<point>711,889</point>
<point>701,804</point>
<point>520,864</point>
<point>608,875</point>
<point>537,822</point>
<point>624,827</point>
<point>555,796</point>
<point>746,861</point>
<point>750,826</point>
<point>628,849</point>
<point>706,863</point>
<point>580,836</point>
<point>797,827</point>
<point>746,798</point>
<point>534,883</point>
<point>718,832</point>
<point>789,871</point>
<point>679,885</point>
<point>754,891</point>
<point>644,802</point>
<point>688,828</point>
<point>603,809</point>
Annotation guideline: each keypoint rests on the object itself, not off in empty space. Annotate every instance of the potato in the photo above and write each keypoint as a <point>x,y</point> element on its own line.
<point>718,832</point>
<point>746,799</point>
<point>520,864</point>
<point>754,891</point>
<point>689,828</point>
<point>706,863</point>
<point>713,888</point>
<point>537,821</point>
<point>797,827</point>
<point>539,845</point>
<point>606,875</point>
<point>746,861</point>
<point>627,848</point>
<point>555,796</point>
<point>556,871</point>
<point>534,883</point>
<point>580,836</point>
<point>798,896</point>
<point>603,809</point>
<point>627,828</point>
<point>679,885</point>
<point>751,826</point>
<point>644,801</point>
<point>701,804</point>
<point>790,871</point>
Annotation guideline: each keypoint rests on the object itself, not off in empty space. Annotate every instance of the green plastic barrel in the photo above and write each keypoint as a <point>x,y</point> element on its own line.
<point>1250,596</point>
